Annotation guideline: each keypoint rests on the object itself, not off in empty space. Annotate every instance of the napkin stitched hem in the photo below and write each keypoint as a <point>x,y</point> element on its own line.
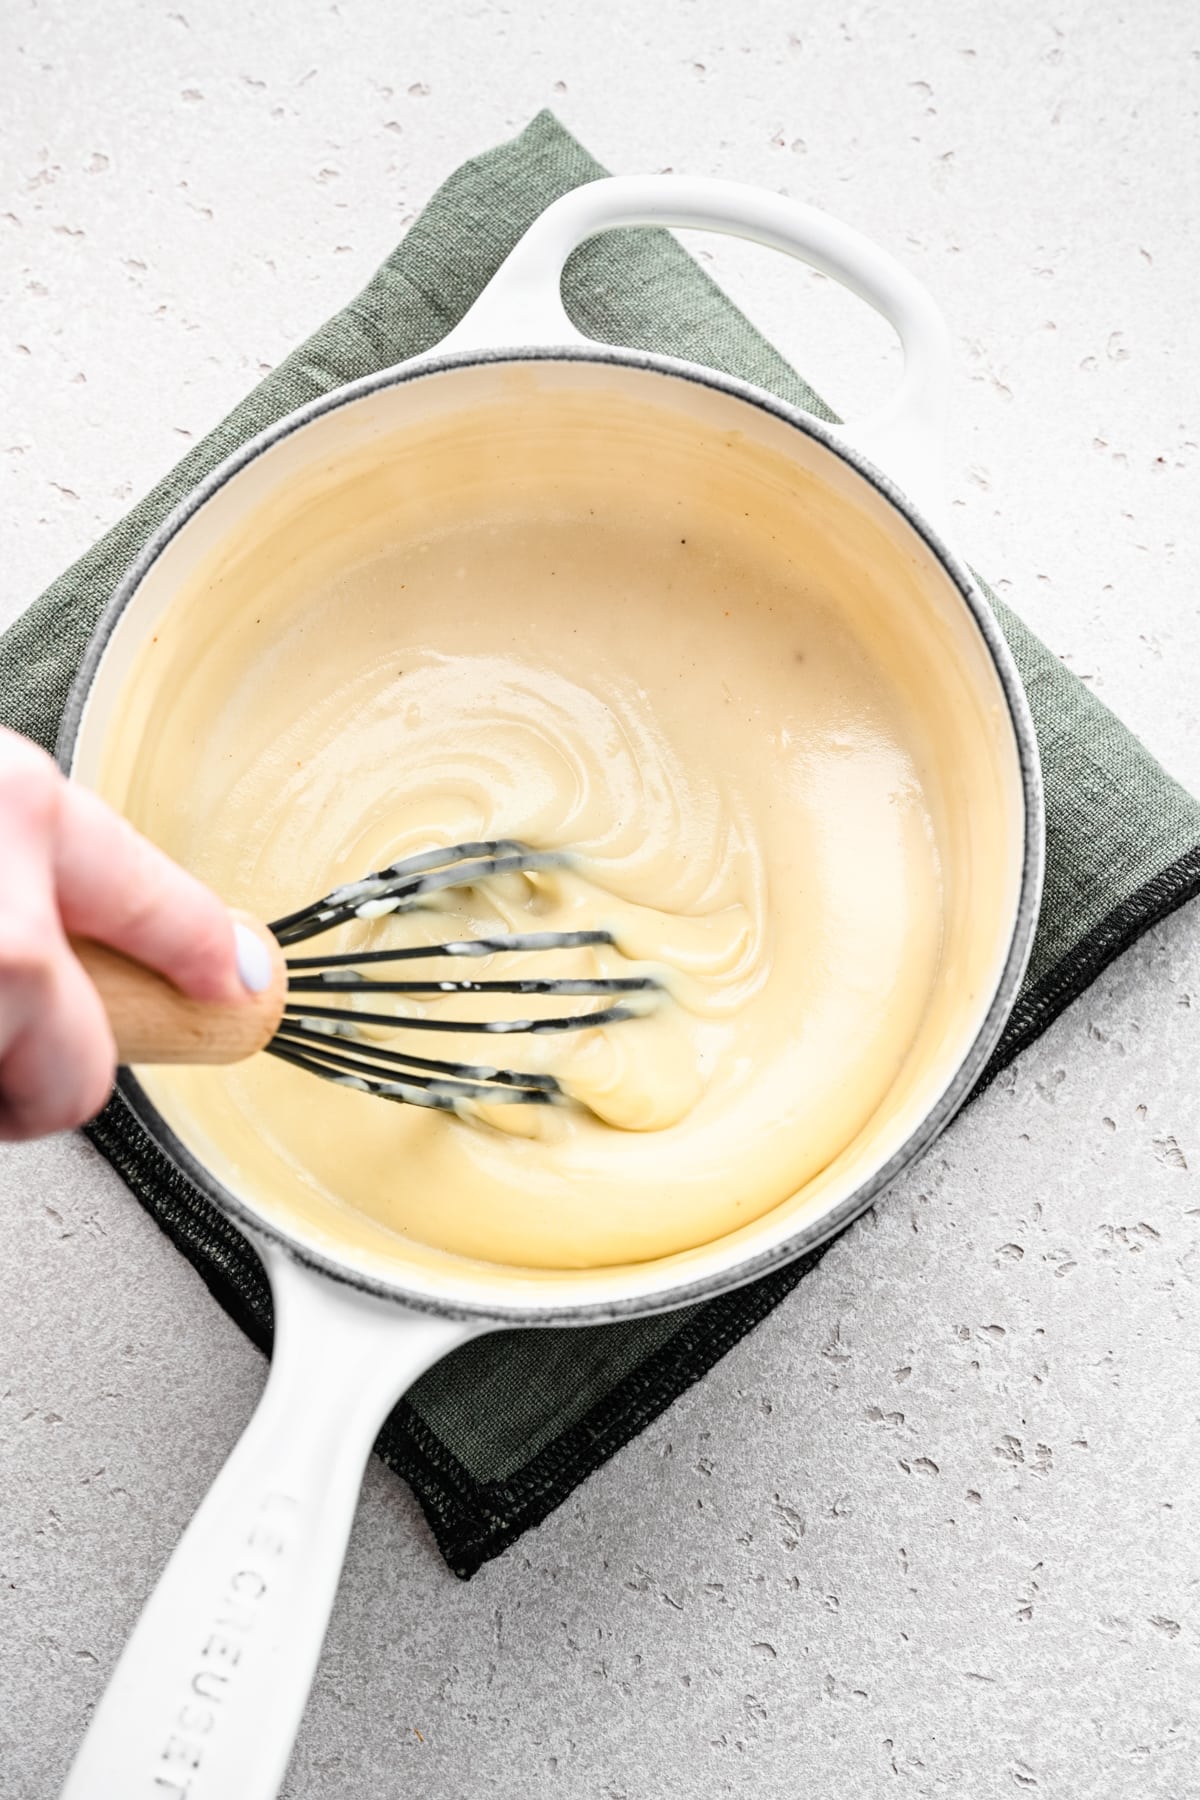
<point>1128,921</point>
<point>501,1512</point>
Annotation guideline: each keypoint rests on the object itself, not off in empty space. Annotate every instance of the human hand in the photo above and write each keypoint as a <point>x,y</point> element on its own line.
<point>68,864</point>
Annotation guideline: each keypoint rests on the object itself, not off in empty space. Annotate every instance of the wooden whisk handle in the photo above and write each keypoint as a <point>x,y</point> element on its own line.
<point>153,1022</point>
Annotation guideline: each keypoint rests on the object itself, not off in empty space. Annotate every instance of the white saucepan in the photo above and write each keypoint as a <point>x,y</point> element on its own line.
<point>205,1702</point>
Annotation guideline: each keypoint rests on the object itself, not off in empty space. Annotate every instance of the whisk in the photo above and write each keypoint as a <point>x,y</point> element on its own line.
<point>297,1018</point>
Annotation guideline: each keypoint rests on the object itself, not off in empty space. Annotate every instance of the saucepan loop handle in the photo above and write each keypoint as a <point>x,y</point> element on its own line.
<point>522,304</point>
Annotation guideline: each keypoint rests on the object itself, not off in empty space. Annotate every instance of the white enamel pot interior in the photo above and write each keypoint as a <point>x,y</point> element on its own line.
<point>206,1699</point>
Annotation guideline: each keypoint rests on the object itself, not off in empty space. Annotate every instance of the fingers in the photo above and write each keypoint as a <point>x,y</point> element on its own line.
<point>58,1071</point>
<point>56,1049</point>
<point>68,865</point>
<point>116,887</point>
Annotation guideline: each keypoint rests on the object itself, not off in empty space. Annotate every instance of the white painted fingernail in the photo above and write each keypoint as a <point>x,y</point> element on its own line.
<point>253,959</point>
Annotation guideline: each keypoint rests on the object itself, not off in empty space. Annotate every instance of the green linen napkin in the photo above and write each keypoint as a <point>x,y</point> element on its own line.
<point>498,1434</point>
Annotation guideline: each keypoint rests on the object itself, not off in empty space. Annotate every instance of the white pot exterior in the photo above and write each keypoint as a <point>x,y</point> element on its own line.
<point>207,1697</point>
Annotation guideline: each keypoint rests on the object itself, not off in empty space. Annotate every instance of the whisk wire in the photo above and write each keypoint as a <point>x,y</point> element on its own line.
<point>439,1091</point>
<point>611,1015</point>
<point>407,884</point>
<point>346,981</point>
<point>326,1040</point>
<point>481,946</point>
<point>303,1037</point>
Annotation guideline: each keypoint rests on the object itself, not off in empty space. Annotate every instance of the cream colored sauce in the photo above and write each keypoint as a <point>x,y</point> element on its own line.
<point>723,741</point>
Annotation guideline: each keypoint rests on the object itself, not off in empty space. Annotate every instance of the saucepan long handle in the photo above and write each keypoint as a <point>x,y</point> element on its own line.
<point>206,1699</point>
<point>522,304</point>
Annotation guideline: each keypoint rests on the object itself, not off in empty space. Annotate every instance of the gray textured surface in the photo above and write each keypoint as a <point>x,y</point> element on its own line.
<point>933,1529</point>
